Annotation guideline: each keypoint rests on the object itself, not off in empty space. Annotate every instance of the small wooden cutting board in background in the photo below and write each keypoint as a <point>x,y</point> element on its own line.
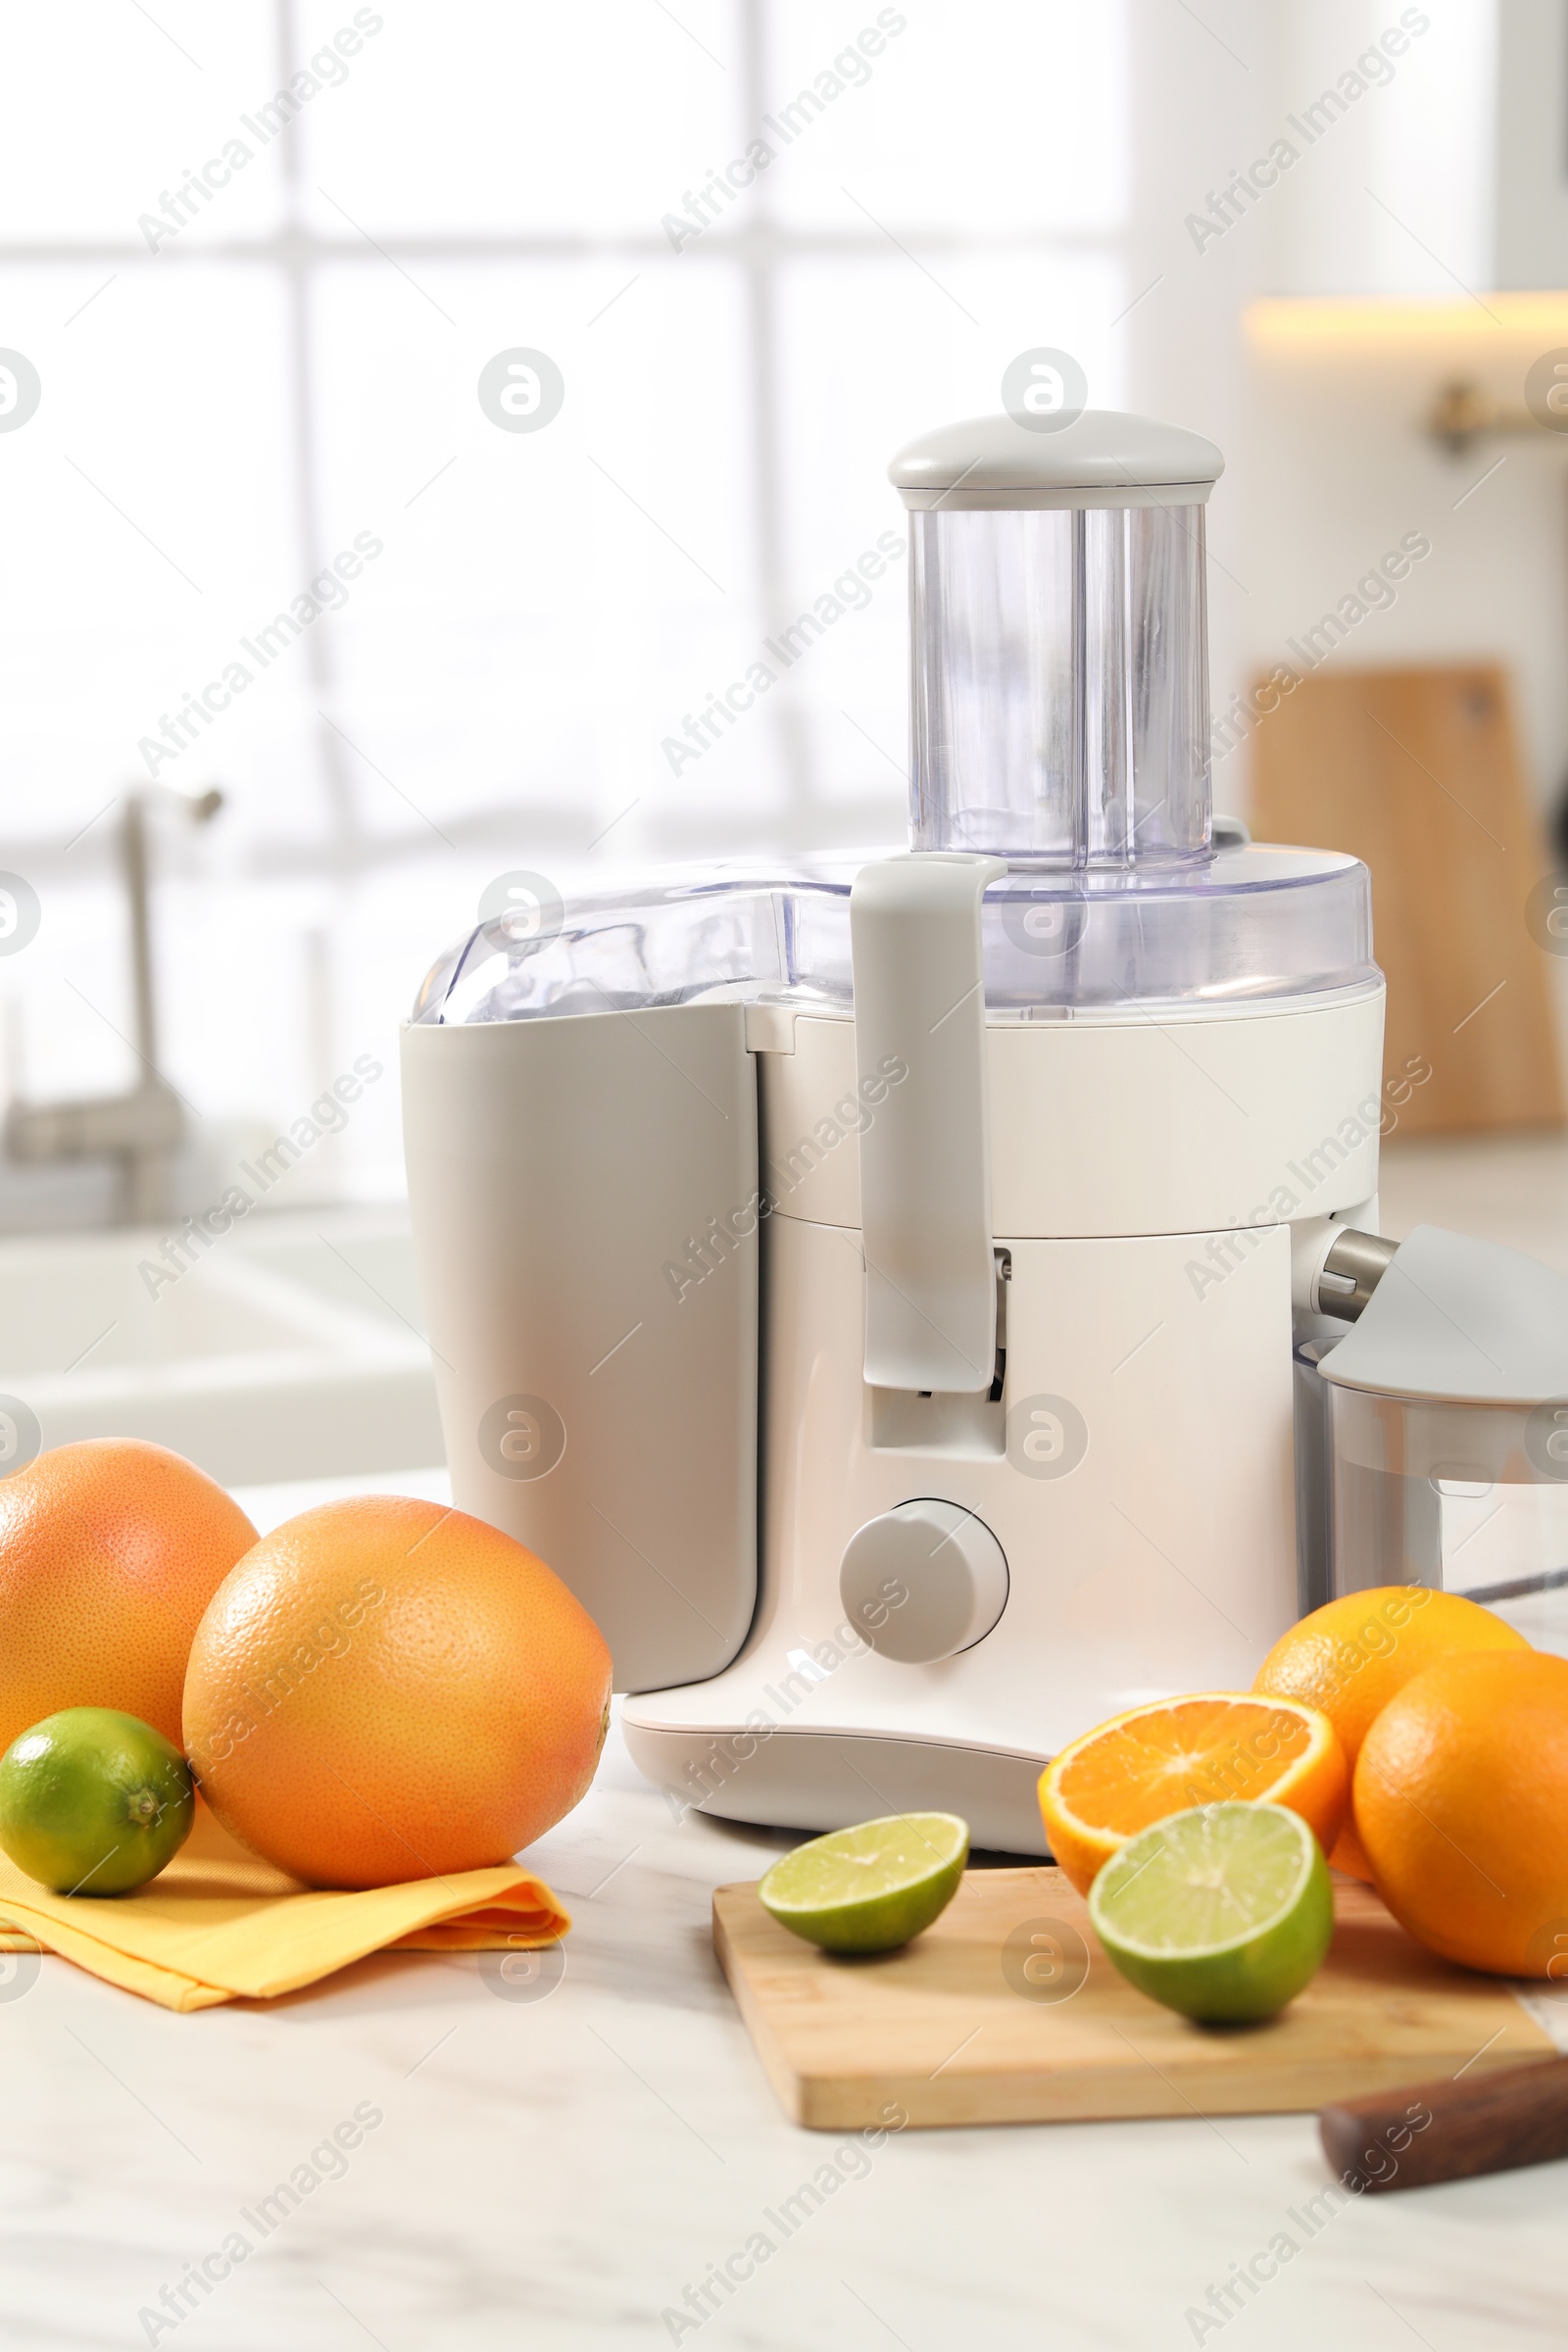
<point>1417,771</point>
<point>1007,2011</point>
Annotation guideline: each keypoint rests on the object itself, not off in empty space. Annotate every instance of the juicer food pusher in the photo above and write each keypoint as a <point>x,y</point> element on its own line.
<point>871,1283</point>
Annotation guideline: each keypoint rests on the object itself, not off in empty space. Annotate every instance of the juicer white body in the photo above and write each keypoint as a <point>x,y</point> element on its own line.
<point>1143,1176</point>
<point>1149,1291</point>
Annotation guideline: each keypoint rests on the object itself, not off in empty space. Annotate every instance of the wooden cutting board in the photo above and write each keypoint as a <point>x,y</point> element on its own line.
<point>1007,2011</point>
<point>1418,772</point>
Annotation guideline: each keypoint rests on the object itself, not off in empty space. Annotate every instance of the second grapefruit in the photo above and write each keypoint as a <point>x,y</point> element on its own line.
<point>110,1551</point>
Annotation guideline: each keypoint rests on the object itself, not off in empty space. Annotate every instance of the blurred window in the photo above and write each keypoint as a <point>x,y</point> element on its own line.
<point>262,532</point>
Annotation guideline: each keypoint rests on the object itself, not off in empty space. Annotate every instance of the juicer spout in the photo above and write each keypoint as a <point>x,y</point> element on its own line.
<point>1350,1273</point>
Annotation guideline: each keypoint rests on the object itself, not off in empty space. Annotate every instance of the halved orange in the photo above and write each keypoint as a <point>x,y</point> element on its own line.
<point>1160,1758</point>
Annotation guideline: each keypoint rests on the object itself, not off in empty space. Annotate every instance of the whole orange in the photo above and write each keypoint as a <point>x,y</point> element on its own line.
<point>110,1549</point>
<point>1350,1658</point>
<point>383,1689</point>
<point>1462,1791</point>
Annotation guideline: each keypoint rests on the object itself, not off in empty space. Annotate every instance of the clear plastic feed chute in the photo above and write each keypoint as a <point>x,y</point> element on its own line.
<point>1060,694</point>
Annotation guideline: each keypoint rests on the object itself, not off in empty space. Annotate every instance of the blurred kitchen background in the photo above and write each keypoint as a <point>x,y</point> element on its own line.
<point>253,266</point>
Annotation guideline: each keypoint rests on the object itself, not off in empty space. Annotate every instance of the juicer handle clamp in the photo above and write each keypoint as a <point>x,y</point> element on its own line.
<point>925,1170</point>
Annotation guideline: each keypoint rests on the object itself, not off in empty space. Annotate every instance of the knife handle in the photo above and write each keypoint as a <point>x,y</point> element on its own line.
<point>1450,2129</point>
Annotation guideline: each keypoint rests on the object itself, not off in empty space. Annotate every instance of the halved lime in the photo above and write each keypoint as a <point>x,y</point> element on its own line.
<point>869,1888</point>
<point>93,1801</point>
<point>1223,1912</point>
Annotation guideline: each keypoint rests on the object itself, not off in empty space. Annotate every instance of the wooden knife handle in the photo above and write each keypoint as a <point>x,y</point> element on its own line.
<point>1450,2129</point>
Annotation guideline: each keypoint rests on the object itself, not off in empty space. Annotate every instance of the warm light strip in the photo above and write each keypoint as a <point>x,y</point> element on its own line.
<point>1294,321</point>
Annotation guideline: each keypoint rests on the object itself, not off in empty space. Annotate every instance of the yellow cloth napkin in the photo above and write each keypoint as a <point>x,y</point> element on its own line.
<point>219,1923</point>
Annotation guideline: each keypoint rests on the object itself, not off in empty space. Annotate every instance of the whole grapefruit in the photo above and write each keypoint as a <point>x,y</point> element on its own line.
<point>383,1690</point>
<point>1461,1793</point>
<point>1354,1654</point>
<point>110,1551</point>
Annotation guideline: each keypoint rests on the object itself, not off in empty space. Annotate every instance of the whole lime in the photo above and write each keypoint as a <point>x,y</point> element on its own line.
<point>93,1801</point>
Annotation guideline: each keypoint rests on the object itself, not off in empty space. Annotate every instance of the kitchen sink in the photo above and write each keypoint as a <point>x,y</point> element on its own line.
<point>291,1349</point>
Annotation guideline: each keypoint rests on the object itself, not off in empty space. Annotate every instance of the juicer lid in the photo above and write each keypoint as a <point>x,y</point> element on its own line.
<point>1105,458</point>
<point>1245,929</point>
<point>1458,1321</point>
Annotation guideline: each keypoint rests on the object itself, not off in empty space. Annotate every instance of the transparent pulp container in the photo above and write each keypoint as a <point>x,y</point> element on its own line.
<point>1060,668</point>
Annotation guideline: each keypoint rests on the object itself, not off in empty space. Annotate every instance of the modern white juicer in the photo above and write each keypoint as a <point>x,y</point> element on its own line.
<point>871,1284</point>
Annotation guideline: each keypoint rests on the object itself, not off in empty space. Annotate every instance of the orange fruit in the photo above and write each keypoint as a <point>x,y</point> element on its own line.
<point>1350,1657</point>
<point>110,1549</point>
<point>383,1690</point>
<point>1461,1794</point>
<point>1163,1757</point>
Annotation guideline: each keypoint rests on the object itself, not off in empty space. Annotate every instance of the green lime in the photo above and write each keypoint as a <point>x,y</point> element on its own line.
<point>93,1801</point>
<point>1224,1912</point>
<point>869,1888</point>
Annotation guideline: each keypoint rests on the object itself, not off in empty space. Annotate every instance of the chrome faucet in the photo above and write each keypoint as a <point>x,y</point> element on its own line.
<point>143,1128</point>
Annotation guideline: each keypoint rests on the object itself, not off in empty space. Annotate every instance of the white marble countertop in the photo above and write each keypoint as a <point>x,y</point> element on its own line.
<point>558,2169</point>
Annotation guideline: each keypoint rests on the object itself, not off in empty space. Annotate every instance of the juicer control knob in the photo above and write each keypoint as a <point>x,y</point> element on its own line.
<point>923,1580</point>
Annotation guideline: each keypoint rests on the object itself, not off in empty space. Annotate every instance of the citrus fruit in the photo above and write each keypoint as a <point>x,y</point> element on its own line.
<point>1173,1753</point>
<point>110,1549</point>
<point>1461,1795</point>
<point>383,1690</point>
<point>1223,1912</point>
<point>872,1887</point>
<point>1350,1657</point>
<point>93,1802</point>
